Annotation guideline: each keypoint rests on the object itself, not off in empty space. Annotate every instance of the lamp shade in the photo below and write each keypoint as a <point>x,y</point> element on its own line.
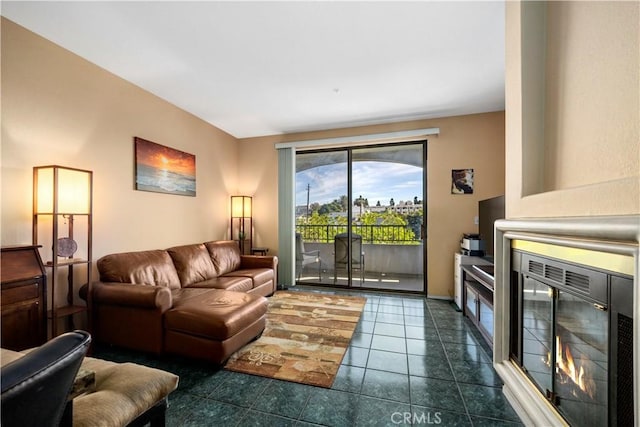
<point>240,206</point>
<point>58,189</point>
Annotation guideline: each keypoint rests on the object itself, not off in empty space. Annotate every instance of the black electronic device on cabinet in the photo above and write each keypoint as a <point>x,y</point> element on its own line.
<point>489,211</point>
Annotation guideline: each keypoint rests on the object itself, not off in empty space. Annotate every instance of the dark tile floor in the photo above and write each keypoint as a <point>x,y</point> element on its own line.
<point>411,362</point>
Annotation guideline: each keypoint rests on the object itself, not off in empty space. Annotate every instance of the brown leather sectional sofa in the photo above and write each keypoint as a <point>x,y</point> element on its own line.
<point>202,300</point>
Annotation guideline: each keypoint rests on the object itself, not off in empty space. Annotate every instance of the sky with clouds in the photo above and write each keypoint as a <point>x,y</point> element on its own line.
<point>375,181</point>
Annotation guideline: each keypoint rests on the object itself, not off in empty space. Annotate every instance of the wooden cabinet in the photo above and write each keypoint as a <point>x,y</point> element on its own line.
<point>23,298</point>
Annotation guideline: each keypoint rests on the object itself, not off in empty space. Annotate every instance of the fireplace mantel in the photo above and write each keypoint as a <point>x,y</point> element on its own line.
<point>612,234</point>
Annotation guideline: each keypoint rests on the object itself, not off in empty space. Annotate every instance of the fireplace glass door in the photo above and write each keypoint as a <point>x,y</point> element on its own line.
<point>564,351</point>
<point>573,337</point>
<point>537,334</point>
<point>581,359</point>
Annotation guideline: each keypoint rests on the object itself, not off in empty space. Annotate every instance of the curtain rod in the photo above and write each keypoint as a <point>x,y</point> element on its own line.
<point>366,138</point>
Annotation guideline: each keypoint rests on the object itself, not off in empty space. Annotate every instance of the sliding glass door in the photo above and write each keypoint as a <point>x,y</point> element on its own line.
<point>321,212</point>
<point>360,217</point>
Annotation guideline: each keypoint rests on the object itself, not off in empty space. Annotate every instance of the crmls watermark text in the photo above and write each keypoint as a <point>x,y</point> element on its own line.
<point>416,418</point>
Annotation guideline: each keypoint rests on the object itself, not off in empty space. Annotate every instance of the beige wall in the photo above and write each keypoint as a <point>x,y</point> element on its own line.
<point>573,109</point>
<point>60,109</point>
<point>473,141</point>
<point>581,160</point>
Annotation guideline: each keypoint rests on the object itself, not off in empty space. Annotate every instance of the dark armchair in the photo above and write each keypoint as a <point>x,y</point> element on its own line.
<point>35,387</point>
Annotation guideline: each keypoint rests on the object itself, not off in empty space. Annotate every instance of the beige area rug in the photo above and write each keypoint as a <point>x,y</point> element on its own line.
<point>306,337</point>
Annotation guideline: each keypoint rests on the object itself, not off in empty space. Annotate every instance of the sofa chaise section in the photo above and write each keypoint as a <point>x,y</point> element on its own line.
<point>214,325</point>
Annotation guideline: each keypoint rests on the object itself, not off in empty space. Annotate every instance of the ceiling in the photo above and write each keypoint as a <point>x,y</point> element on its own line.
<point>265,68</point>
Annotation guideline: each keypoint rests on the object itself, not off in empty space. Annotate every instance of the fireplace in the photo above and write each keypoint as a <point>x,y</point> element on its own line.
<point>565,336</point>
<point>568,319</point>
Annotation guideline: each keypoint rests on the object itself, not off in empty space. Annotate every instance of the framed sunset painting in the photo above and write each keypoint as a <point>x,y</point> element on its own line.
<point>163,169</point>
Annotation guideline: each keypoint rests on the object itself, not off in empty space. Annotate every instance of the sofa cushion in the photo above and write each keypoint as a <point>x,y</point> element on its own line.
<point>154,268</point>
<point>225,255</point>
<point>186,293</point>
<point>218,314</point>
<point>244,285</point>
<point>240,284</point>
<point>193,263</point>
<point>258,276</point>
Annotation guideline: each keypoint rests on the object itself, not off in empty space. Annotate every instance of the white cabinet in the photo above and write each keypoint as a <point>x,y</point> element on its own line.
<point>458,261</point>
<point>457,279</point>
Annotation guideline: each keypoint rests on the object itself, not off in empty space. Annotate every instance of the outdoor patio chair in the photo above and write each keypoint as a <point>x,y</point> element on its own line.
<point>341,254</point>
<point>305,258</point>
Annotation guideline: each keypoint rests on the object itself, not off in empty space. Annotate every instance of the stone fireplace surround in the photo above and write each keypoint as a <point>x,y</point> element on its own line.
<point>614,234</point>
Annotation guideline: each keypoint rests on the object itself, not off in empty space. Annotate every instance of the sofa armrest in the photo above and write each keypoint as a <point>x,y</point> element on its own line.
<point>258,261</point>
<point>129,294</point>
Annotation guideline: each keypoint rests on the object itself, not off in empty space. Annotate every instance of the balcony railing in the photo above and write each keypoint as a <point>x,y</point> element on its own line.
<point>374,234</point>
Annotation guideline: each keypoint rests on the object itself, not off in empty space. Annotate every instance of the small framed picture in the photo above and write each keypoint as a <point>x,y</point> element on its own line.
<point>462,181</point>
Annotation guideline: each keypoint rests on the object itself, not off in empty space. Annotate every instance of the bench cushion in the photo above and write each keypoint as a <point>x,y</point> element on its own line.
<point>124,391</point>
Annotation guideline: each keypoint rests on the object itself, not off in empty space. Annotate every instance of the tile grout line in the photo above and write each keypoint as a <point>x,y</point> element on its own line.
<point>430,313</point>
<point>368,351</point>
<point>406,348</point>
<point>455,379</point>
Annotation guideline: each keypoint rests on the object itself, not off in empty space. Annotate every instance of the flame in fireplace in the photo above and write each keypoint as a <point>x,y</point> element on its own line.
<point>567,369</point>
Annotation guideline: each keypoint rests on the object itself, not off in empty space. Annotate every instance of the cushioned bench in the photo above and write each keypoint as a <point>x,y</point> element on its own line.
<point>124,393</point>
